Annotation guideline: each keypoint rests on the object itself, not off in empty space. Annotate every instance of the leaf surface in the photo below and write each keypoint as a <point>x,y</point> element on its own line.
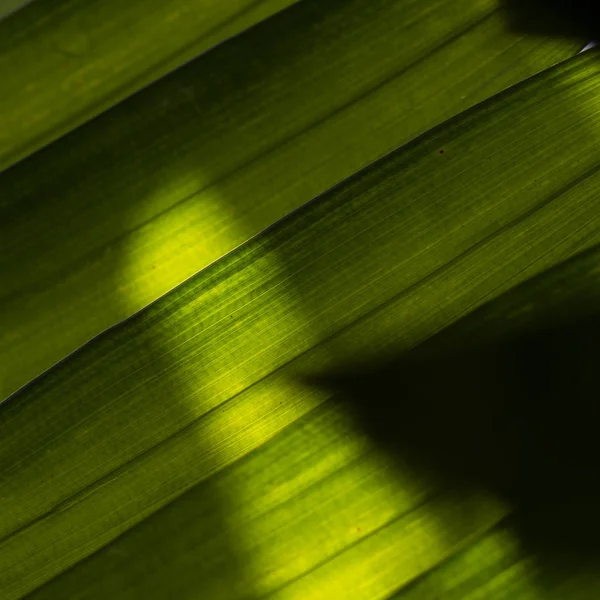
<point>129,205</point>
<point>175,452</point>
<point>63,63</point>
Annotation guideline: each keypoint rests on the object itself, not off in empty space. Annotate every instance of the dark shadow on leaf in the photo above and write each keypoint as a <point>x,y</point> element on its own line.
<point>517,417</point>
<point>562,18</point>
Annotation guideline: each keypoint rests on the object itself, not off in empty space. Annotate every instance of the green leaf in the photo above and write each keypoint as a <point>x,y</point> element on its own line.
<point>175,454</point>
<point>117,213</point>
<point>63,63</point>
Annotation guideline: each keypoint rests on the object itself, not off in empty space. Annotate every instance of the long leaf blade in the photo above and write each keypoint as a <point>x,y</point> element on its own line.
<point>109,218</point>
<point>190,405</point>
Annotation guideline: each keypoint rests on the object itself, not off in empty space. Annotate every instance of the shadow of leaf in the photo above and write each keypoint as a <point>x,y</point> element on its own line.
<point>563,18</point>
<point>516,417</point>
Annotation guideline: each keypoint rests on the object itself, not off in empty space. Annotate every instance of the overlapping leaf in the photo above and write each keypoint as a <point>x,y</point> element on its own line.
<point>63,63</point>
<point>110,217</point>
<point>175,456</point>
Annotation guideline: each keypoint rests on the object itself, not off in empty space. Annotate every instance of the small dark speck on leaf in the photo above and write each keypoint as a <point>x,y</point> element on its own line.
<point>442,151</point>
